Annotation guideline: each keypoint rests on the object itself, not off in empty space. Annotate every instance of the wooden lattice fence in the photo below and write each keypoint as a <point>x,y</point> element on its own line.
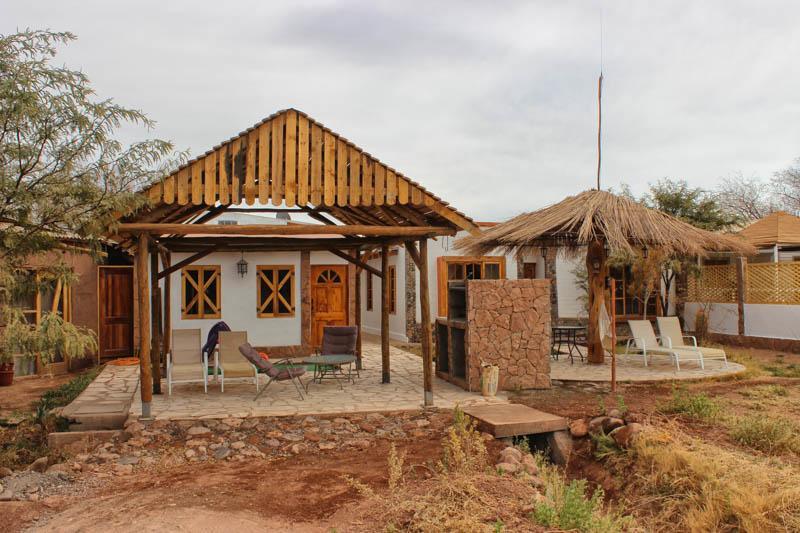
<point>766,283</point>
<point>773,283</point>
<point>715,283</point>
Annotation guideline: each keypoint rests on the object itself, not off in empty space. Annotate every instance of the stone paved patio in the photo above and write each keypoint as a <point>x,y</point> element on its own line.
<point>631,368</point>
<point>104,404</point>
<point>365,395</point>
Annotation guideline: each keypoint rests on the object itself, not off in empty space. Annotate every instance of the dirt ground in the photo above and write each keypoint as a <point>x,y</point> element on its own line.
<point>26,390</point>
<point>307,493</point>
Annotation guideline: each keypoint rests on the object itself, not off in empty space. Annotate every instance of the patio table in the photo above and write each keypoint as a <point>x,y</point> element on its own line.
<point>566,335</point>
<point>330,367</point>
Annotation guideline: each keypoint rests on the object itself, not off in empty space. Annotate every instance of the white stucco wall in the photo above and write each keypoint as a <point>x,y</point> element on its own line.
<point>239,296</point>
<point>569,294</point>
<point>371,320</point>
<point>760,320</point>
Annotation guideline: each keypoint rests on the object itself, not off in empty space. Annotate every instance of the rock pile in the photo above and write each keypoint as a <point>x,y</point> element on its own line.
<point>622,427</point>
<point>514,462</point>
<point>35,483</point>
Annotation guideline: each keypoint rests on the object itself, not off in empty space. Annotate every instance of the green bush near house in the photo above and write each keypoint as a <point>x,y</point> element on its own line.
<point>698,406</point>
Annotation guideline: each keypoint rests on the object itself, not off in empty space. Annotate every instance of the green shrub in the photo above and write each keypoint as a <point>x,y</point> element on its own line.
<point>693,405</point>
<point>791,370</point>
<point>566,506</point>
<point>604,445</point>
<point>768,434</point>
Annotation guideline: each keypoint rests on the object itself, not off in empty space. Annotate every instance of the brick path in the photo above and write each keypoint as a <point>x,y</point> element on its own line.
<point>366,394</point>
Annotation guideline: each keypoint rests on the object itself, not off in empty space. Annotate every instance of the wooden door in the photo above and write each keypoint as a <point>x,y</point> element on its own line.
<point>529,270</point>
<point>328,299</point>
<point>115,314</point>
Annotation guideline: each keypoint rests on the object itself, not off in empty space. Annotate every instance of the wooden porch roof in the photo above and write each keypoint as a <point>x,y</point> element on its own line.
<point>290,160</point>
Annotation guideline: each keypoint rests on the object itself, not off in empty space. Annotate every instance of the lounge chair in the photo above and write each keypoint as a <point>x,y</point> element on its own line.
<point>671,334</point>
<point>282,370</point>
<point>645,341</point>
<point>230,364</point>
<point>185,364</point>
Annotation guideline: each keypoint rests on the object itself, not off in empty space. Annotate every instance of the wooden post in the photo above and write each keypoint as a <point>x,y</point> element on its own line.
<point>613,336</point>
<point>741,290</point>
<point>596,267</point>
<point>143,297</point>
<point>357,255</point>
<point>155,296</point>
<point>425,308</point>
<point>166,259</point>
<point>385,296</point>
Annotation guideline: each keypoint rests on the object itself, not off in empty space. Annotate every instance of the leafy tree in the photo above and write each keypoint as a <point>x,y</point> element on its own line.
<point>62,171</point>
<point>690,204</point>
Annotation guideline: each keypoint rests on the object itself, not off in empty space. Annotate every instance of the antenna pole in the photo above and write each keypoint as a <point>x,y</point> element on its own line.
<point>599,124</point>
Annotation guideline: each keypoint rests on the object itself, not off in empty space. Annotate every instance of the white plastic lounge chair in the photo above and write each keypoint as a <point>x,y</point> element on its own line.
<point>230,362</point>
<point>645,341</point>
<point>185,364</point>
<point>671,335</point>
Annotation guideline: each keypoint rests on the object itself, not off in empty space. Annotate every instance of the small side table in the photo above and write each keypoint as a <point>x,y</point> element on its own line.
<point>330,367</point>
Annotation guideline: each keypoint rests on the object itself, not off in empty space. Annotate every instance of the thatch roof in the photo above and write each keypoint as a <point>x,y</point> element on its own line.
<point>624,224</point>
<point>778,228</point>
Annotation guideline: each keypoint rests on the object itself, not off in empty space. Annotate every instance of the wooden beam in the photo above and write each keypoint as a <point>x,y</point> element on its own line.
<point>155,314</point>
<point>268,229</point>
<point>145,369</point>
<point>211,214</point>
<point>189,260</point>
<point>450,214</point>
<point>166,260</point>
<point>412,251</point>
<point>385,296</point>
<point>357,262</point>
<point>425,307</point>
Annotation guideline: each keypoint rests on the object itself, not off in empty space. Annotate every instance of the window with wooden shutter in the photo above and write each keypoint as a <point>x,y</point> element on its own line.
<point>275,291</point>
<point>201,292</point>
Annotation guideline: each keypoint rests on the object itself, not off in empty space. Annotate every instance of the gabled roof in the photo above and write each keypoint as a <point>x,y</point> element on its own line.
<point>290,159</point>
<point>778,228</point>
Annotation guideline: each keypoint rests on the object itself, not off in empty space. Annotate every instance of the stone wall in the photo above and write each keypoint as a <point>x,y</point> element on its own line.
<point>509,325</point>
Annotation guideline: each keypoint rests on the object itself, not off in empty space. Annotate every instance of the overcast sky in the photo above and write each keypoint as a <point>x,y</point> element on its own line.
<point>491,105</point>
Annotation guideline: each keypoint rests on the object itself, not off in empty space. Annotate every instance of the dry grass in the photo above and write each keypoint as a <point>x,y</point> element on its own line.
<point>685,484</point>
<point>591,215</point>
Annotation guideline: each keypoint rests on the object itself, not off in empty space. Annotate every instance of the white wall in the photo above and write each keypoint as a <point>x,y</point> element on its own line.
<point>760,320</point>
<point>371,320</point>
<point>239,297</point>
<point>569,294</point>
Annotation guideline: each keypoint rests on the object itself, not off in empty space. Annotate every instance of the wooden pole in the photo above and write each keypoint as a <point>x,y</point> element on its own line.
<point>357,259</point>
<point>269,229</point>
<point>613,336</point>
<point>741,291</point>
<point>145,369</point>
<point>425,307</point>
<point>155,296</point>
<point>166,259</point>
<point>596,267</point>
<point>385,296</point>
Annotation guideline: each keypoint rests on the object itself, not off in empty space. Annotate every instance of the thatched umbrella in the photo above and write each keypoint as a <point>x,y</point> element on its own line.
<point>602,222</point>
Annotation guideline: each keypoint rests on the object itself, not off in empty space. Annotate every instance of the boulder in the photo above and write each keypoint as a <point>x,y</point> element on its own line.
<point>595,425</point>
<point>560,444</point>
<point>510,455</point>
<point>529,464</point>
<point>198,430</point>
<point>326,445</point>
<point>128,460</point>
<point>4,471</point>
<point>123,469</point>
<point>610,424</point>
<point>39,465</point>
<point>59,468</point>
<point>221,453</point>
<point>614,413</point>
<point>625,435</point>
<point>578,428</point>
<point>238,445</point>
<point>507,468</point>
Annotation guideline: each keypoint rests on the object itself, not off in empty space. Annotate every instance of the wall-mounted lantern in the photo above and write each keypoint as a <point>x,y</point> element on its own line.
<point>241,267</point>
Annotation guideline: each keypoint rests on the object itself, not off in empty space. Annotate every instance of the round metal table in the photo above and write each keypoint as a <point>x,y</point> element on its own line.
<point>330,367</point>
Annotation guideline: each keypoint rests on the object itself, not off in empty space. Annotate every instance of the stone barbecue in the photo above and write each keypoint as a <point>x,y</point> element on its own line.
<point>508,324</point>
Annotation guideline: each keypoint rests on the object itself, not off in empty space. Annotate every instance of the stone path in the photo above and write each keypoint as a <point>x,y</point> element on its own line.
<point>105,403</point>
<point>367,394</point>
<point>631,368</point>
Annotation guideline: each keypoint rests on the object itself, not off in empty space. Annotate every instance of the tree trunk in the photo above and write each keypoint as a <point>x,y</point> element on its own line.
<point>146,377</point>
<point>597,270</point>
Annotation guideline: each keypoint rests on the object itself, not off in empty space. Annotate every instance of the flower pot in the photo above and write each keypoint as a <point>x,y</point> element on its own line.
<point>6,374</point>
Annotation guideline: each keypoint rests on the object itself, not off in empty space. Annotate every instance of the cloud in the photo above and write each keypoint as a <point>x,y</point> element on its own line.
<point>490,105</point>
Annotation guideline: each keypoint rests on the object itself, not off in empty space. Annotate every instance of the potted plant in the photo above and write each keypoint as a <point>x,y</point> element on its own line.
<point>6,369</point>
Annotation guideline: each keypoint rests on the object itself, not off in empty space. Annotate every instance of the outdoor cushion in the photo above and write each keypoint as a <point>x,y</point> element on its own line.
<point>339,340</point>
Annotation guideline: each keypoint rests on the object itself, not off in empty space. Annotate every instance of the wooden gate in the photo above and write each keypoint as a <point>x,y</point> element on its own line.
<point>328,299</point>
<point>115,313</point>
